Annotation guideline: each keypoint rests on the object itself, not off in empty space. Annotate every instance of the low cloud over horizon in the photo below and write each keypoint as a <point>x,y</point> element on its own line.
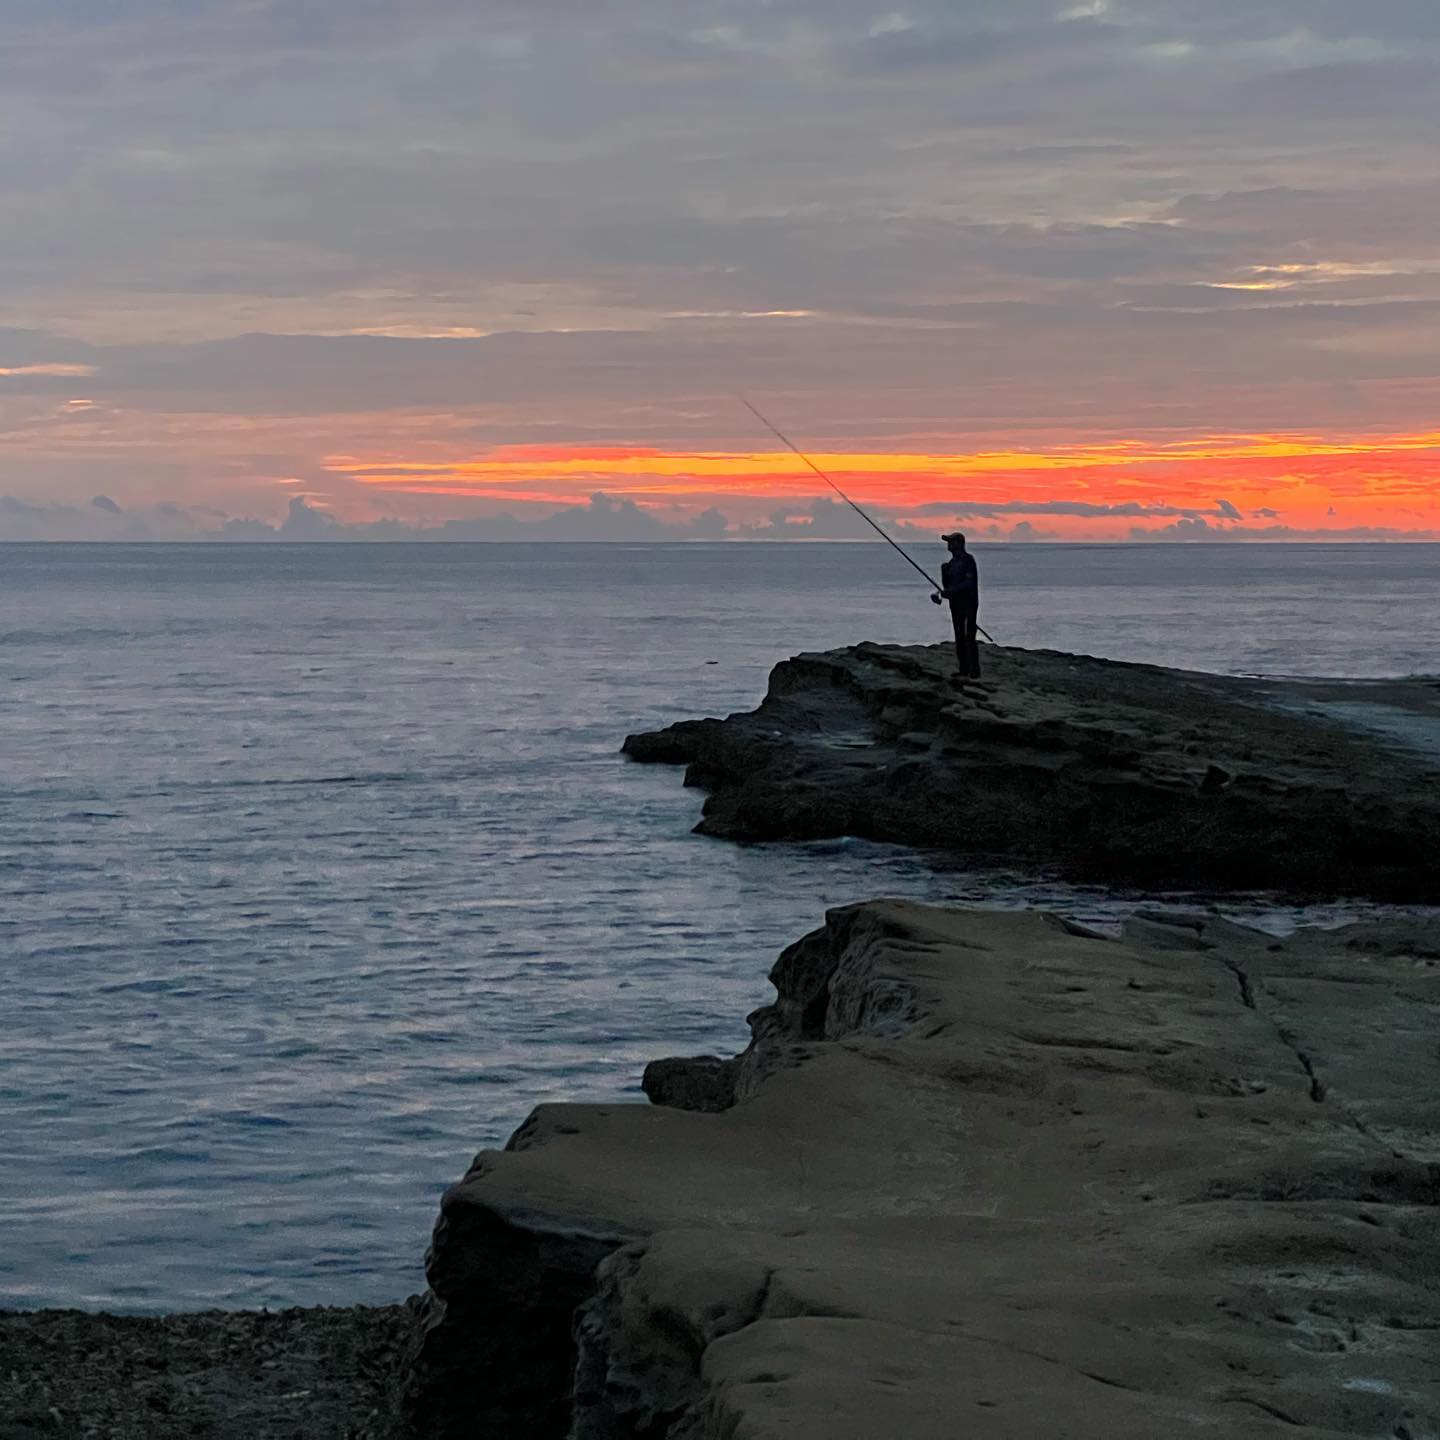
<point>603,518</point>
<point>1089,266</point>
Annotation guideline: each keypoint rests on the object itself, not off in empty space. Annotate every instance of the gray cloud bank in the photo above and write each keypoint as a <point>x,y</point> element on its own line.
<point>602,517</point>
<point>605,518</point>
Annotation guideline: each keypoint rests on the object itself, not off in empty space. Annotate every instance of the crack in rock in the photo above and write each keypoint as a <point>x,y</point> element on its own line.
<point>1274,1410</point>
<point>1318,1088</point>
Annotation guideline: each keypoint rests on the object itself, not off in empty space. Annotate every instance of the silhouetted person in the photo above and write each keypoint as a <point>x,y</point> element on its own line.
<point>960,577</point>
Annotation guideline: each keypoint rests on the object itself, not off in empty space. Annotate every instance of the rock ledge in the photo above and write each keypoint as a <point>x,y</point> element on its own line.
<point>987,1175</point>
<point>1112,772</point>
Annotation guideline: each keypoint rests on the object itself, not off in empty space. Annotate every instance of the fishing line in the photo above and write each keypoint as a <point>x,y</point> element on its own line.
<point>898,549</point>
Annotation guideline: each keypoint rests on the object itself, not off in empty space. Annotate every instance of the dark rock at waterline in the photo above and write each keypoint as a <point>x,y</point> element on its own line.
<point>705,1082</point>
<point>983,1174</point>
<point>1109,771</point>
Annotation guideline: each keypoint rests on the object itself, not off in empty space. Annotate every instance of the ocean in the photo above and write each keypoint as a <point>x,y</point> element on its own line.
<point>319,866</point>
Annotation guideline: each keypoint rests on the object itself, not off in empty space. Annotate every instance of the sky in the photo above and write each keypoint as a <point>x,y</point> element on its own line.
<point>1105,270</point>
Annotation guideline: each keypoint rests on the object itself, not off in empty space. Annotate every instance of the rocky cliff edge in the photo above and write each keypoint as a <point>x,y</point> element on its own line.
<point>981,1175</point>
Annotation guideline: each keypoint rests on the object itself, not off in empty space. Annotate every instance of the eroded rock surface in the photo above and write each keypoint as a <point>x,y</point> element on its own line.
<point>1126,773</point>
<point>984,1175</point>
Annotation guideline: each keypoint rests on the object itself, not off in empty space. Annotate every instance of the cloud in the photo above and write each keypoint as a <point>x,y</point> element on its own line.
<point>48,369</point>
<point>1201,530</point>
<point>1024,530</point>
<point>1347,92</point>
<point>304,522</point>
<point>101,519</point>
<point>307,230</point>
<point>1081,509</point>
<point>821,519</point>
<point>1351,218</point>
<point>1187,528</point>
<point>946,43</point>
<point>601,518</point>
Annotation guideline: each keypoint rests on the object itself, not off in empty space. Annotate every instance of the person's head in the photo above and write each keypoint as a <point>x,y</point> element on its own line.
<point>956,542</point>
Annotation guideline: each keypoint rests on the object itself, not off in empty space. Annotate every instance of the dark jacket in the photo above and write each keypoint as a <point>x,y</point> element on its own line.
<point>961,578</point>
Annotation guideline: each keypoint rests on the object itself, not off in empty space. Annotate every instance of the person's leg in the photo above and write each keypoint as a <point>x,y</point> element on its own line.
<point>957,619</point>
<point>972,644</point>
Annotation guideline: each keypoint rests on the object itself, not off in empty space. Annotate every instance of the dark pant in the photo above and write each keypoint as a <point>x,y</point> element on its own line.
<point>967,642</point>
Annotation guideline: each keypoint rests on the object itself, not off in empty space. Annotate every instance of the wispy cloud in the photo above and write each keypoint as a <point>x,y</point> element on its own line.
<point>46,369</point>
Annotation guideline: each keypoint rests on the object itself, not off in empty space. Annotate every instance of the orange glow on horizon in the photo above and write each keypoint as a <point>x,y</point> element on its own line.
<point>1327,483</point>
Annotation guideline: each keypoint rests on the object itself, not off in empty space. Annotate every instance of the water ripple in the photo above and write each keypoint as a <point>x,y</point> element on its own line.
<point>318,867</point>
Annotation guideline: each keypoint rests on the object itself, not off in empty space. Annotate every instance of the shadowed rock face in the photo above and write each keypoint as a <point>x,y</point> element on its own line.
<point>1122,773</point>
<point>980,1175</point>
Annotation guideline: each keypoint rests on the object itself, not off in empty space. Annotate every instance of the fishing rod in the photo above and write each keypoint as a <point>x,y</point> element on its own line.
<point>899,550</point>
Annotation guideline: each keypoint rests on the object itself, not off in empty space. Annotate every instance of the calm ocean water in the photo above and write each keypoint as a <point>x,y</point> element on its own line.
<point>319,868</point>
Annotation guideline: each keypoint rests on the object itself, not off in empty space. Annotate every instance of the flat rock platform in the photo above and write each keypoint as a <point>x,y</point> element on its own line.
<point>980,1176</point>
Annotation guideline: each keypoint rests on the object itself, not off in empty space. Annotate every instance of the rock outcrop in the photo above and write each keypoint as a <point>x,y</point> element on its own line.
<point>1121,773</point>
<point>984,1175</point>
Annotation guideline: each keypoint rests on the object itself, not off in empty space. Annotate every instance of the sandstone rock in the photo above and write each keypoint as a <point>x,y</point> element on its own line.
<point>983,1176</point>
<point>1114,772</point>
